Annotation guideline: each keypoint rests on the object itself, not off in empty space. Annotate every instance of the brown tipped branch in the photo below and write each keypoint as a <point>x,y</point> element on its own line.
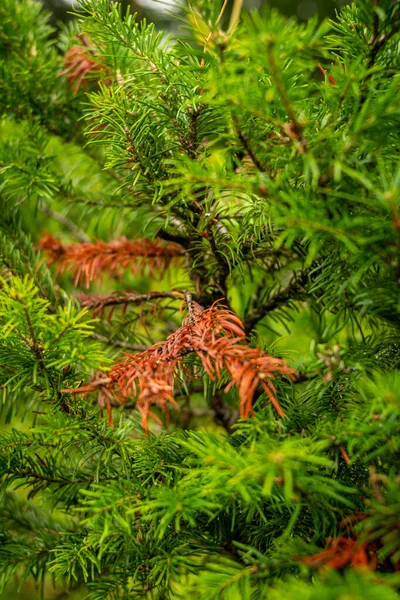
<point>217,337</point>
<point>81,64</point>
<point>343,552</point>
<point>90,261</point>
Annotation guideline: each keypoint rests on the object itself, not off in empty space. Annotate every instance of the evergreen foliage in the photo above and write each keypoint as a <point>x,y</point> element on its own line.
<point>231,198</point>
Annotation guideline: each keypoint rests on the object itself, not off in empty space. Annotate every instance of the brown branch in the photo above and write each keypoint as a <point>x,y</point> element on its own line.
<point>89,261</point>
<point>217,337</point>
<point>79,62</point>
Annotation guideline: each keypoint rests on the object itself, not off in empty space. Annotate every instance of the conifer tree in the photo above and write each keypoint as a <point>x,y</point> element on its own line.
<point>200,303</point>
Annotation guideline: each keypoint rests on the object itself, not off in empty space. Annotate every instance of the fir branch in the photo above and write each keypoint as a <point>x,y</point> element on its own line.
<point>136,158</point>
<point>293,129</point>
<point>32,476</point>
<point>377,41</point>
<point>294,290</point>
<point>223,270</point>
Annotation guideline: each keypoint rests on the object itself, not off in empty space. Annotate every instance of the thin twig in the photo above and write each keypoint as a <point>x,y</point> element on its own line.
<point>118,343</point>
<point>224,415</point>
<point>378,41</point>
<point>235,14</point>
<point>294,129</point>
<point>221,13</point>
<point>78,233</point>
<point>246,144</point>
<point>172,237</point>
<point>223,269</point>
<point>294,290</point>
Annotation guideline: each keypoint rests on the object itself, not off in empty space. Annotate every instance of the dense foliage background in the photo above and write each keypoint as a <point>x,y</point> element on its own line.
<point>143,178</point>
